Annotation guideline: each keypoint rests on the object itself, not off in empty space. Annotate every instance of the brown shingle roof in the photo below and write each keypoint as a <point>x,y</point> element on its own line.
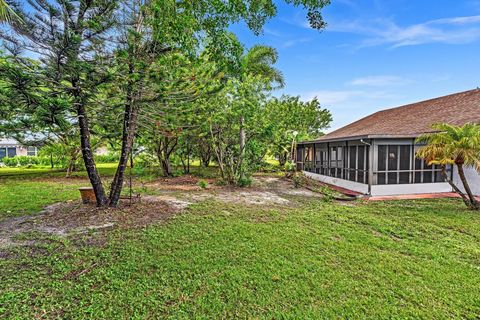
<point>414,119</point>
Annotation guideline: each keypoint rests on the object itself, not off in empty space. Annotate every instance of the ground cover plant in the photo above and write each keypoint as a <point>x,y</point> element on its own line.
<point>223,253</point>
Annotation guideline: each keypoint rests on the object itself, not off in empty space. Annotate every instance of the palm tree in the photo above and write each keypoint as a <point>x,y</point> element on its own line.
<point>453,145</point>
<point>258,61</point>
<point>6,12</point>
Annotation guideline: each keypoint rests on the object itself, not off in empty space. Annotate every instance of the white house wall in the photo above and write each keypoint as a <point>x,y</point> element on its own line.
<point>382,190</point>
<point>413,188</point>
<point>350,185</point>
<point>473,178</point>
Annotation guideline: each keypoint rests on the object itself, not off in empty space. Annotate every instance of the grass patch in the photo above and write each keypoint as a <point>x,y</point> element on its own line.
<point>404,259</point>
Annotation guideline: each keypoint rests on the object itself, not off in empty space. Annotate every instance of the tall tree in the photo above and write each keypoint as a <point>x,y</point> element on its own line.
<point>295,120</point>
<point>258,61</point>
<point>453,145</point>
<point>69,37</point>
<point>158,26</point>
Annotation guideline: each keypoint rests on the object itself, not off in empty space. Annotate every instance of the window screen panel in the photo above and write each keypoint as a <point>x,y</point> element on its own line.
<point>392,178</point>
<point>353,157</point>
<point>404,177</point>
<point>3,153</point>
<point>427,177</point>
<point>405,157</point>
<point>382,158</point>
<point>361,157</point>
<point>439,176</point>
<point>381,178</point>
<point>392,158</point>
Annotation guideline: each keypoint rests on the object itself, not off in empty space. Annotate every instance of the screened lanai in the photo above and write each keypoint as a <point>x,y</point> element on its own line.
<point>369,162</point>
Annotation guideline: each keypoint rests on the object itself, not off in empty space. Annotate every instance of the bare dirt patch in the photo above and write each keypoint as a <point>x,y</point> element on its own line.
<point>182,183</point>
<point>74,218</point>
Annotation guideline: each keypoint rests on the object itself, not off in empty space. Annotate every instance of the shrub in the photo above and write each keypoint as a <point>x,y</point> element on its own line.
<point>145,160</point>
<point>297,181</point>
<point>21,161</point>
<point>10,162</point>
<point>244,182</point>
<point>107,158</point>
<point>203,184</point>
<point>290,166</point>
<point>220,183</point>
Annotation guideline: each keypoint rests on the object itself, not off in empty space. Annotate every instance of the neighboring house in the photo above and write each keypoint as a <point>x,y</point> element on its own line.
<point>376,155</point>
<point>11,148</point>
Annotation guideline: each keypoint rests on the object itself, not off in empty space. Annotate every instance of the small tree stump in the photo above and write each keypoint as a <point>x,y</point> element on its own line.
<point>88,196</point>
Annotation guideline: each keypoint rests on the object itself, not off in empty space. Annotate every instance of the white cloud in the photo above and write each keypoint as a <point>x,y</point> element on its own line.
<point>293,42</point>
<point>380,81</point>
<point>454,30</point>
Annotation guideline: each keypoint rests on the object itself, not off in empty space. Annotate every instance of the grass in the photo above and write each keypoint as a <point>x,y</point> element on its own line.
<point>28,190</point>
<point>417,259</point>
<point>399,259</point>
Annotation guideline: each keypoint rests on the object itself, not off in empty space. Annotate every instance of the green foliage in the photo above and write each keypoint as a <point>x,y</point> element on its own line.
<point>244,182</point>
<point>455,145</point>
<point>294,120</point>
<point>23,161</point>
<point>107,158</point>
<point>290,166</point>
<point>203,184</point>
<point>313,260</point>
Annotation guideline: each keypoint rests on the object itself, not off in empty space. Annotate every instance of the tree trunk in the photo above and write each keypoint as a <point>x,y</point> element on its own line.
<point>282,158</point>
<point>205,161</point>
<point>87,154</point>
<point>166,167</point>
<point>205,152</point>
<point>128,135</point>
<point>70,168</point>
<point>164,150</point>
<point>455,188</point>
<point>242,147</point>
<point>474,204</point>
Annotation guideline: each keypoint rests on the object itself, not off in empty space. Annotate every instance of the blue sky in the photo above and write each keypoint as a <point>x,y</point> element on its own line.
<point>376,54</point>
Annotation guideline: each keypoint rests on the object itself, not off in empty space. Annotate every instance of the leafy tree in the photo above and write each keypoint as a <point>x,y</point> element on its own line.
<point>294,120</point>
<point>258,61</point>
<point>158,26</point>
<point>37,115</point>
<point>74,41</point>
<point>69,37</point>
<point>453,145</point>
<point>238,100</point>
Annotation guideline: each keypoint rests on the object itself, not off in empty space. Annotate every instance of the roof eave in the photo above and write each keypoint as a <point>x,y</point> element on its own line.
<point>370,136</point>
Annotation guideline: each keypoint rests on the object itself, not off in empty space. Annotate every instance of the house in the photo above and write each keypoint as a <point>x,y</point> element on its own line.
<point>11,148</point>
<point>376,155</point>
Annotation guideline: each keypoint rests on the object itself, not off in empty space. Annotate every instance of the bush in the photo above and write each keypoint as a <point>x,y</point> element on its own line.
<point>203,184</point>
<point>290,166</point>
<point>21,161</point>
<point>145,160</point>
<point>107,158</point>
<point>10,162</point>
<point>269,167</point>
<point>244,182</point>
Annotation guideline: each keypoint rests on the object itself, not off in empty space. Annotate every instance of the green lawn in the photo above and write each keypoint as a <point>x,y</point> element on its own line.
<point>25,191</point>
<point>404,259</point>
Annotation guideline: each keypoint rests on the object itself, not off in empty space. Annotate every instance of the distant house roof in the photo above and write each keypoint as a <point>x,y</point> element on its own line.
<point>9,142</point>
<point>411,120</point>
